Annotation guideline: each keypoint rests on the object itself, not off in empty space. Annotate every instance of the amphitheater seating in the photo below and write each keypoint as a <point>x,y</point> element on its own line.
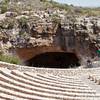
<point>17,85</point>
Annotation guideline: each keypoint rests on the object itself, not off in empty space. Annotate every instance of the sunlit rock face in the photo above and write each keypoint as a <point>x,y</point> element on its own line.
<point>41,29</point>
<point>62,47</point>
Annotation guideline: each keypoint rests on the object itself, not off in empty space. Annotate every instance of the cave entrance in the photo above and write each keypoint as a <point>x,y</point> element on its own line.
<point>54,60</point>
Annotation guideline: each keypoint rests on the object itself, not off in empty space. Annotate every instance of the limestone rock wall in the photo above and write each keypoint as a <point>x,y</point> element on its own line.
<point>63,40</point>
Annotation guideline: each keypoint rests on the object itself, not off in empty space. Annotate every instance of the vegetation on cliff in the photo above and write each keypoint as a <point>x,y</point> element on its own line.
<point>10,59</point>
<point>4,6</point>
<point>71,8</point>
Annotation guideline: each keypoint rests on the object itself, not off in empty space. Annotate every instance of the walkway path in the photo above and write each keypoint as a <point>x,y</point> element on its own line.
<point>90,83</point>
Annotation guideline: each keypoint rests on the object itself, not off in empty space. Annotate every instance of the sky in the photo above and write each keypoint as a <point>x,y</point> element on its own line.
<point>84,3</point>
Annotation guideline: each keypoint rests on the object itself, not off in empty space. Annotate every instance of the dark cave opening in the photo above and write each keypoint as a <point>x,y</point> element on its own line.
<point>54,60</point>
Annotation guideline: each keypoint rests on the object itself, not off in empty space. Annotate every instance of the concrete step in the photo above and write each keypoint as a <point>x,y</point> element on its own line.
<point>52,82</point>
<point>4,96</point>
<point>66,93</point>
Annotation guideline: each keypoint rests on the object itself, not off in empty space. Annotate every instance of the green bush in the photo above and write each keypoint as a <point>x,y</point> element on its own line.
<point>43,0</point>
<point>4,6</point>
<point>3,9</point>
<point>59,5</point>
<point>56,19</point>
<point>10,59</point>
<point>22,21</point>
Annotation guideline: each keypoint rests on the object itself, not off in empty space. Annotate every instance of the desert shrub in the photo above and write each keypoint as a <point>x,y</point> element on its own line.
<point>3,9</point>
<point>22,21</point>
<point>7,23</point>
<point>56,19</point>
<point>10,59</point>
<point>59,5</point>
<point>4,6</point>
<point>43,0</point>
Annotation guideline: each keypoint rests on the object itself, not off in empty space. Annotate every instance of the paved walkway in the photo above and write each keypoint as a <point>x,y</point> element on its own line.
<point>91,84</point>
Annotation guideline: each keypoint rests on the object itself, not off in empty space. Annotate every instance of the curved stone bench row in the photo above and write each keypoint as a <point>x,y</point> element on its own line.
<point>16,85</point>
<point>53,87</point>
<point>50,80</point>
<point>58,72</point>
<point>63,80</point>
<point>55,84</point>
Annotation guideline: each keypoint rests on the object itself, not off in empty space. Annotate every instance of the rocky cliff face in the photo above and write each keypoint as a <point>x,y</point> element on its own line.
<point>61,38</point>
<point>31,33</point>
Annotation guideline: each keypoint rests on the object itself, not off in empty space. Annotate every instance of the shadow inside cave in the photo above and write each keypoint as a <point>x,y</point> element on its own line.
<point>54,60</point>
